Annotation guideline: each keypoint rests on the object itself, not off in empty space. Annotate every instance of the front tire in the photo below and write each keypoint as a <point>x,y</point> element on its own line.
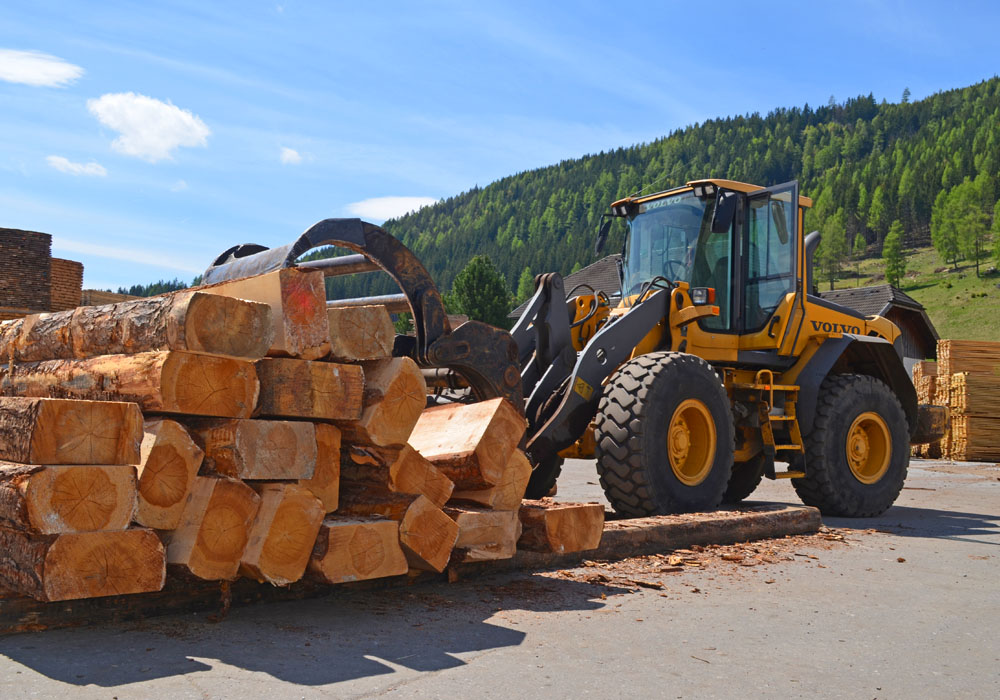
<point>664,436</point>
<point>858,450</point>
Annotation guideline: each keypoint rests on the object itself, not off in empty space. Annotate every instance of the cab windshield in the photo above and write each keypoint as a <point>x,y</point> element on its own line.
<point>672,237</point>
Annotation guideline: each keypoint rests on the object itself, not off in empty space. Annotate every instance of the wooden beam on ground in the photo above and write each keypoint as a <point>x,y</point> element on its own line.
<point>214,530</point>
<point>167,467</point>
<point>552,526</point>
<point>66,498</point>
<point>356,549</point>
<point>395,394</point>
<point>189,321</point>
<point>508,493</point>
<point>71,566</point>
<point>160,382</point>
<point>298,309</point>
<point>471,444</point>
<point>62,431</point>
<point>325,481</point>
<point>256,449</point>
<point>484,535</point>
<point>291,388</point>
<point>360,333</point>
<point>401,470</point>
<point>282,535</point>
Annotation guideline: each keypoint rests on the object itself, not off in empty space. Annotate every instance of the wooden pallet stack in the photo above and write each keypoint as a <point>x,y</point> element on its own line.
<point>277,439</point>
<point>973,371</point>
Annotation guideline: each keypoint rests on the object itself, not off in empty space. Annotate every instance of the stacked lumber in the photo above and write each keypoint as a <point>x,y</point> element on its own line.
<point>68,494</point>
<point>245,429</point>
<point>966,378</point>
<point>926,382</point>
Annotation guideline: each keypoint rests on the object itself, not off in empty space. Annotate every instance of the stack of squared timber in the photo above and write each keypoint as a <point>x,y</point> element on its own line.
<point>926,380</point>
<point>973,372</point>
<point>245,429</point>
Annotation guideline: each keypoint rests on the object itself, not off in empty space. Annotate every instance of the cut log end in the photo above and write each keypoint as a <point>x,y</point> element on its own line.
<point>427,536</point>
<point>169,463</point>
<point>325,481</point>
<point>550,526</point>
<point>282,535</point>
<point>355,549</point>
<point>218,325</point>
<point>360,333</point>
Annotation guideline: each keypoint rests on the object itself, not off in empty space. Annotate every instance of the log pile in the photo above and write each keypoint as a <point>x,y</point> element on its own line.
<point>966,378</point>
<point>245,429</point>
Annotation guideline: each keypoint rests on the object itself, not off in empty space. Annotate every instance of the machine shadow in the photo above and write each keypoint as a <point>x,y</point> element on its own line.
<point>908,521</point>
<point>340,637</point>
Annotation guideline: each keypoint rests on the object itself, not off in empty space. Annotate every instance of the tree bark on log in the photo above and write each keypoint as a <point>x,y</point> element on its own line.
<point>167,467</point>
<point>360,333</point>
<point>214,529</point>
<point>256,449</point>
<point>291,388</point>
<point>282,535</point>
<point>550,526</point>
<point>50,500</point>
<point>471,444</point>
<point>508,493</point>
<point>298,309</point>
<point>484,535</point>
<point>401,470</point>
<point>71,566</point>
<point>62,431</point>
<point>325,481</point>
<point>356,549</point>
<point>395,394</point>
<point>160,382</point>
<point>189,321</point>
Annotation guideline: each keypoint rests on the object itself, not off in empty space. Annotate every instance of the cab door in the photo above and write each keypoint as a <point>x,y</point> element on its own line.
<point>770,267</point>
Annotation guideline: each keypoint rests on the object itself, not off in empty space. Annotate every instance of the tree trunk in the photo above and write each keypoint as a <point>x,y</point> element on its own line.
<point>484,535</point>
<point>61,431</point>
<point>360,333</point>
<point>160,382</point>
<point>291,388</point>
<point>169,462</point>
<point>256,449</point>
<point>507,494</point>
<point>325,481</point>
<point>282,535</point>
<point>298,309</point>
<point>214,530</point>
<point>190,321</point>
<point>395,394</point>
<point>50,500</point>
<point>562,528</point>
<point>400,470</point>
<point>471,444</point>
<point>71,566</point>
<point>355,549</point>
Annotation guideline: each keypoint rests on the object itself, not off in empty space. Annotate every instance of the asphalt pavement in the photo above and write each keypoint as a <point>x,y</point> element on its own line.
<point>908,607</point>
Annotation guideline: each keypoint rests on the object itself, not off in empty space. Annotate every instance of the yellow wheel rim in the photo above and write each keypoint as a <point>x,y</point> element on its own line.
<point>869,447</point>
<point>691,442</point>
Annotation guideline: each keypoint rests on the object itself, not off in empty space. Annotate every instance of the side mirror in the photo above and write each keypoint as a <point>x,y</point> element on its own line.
<point>602,235</point>
<point>725,211</point>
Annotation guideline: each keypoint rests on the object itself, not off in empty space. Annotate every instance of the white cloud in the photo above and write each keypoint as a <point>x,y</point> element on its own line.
<point>150,129</point>
<point>64,165</point>
<point>382,208</point>
<point>113,252</point>
<point>289,156</point>
<point>36,68</point>
<point>179,186</point>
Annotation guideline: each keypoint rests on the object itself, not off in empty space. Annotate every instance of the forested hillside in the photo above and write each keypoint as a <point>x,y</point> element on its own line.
<point>873,162</point>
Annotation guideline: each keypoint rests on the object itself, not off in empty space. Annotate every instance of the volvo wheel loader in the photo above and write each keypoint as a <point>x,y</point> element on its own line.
<point>716,365</point>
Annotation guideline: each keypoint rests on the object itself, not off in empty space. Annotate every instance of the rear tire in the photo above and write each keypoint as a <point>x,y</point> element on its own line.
<point>664,436</point>
<point>858,450</point>
<point>745,479</point>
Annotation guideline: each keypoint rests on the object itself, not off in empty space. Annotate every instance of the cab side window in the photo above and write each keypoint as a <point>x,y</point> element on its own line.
<point>770,257</point>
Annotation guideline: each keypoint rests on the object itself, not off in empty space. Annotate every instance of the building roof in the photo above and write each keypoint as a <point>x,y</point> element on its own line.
<point>600,276</point>
<point>872,301</point>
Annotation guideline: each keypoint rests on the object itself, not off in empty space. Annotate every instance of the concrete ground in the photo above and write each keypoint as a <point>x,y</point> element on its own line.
<point>907,607</point>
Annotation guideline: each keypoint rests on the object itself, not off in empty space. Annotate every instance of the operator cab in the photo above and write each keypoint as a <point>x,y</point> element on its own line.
<point>735,238</point>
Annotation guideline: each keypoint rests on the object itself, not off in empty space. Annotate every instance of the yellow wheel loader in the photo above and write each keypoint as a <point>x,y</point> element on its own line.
<point>717,363</point>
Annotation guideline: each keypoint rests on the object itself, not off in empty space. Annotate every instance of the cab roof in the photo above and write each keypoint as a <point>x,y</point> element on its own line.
<point>718,182</point>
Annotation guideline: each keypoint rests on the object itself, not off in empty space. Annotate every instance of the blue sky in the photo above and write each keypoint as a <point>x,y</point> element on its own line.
<point>149,137</point>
